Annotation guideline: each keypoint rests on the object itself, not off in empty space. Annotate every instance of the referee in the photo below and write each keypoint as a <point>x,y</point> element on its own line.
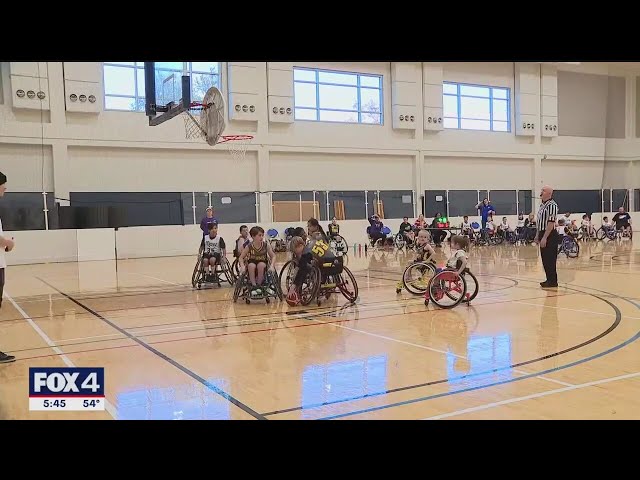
<point>547,236</point>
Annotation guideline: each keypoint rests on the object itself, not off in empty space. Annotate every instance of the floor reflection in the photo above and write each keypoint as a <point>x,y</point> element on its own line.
<point>180,402</point>
<point>342,380</point>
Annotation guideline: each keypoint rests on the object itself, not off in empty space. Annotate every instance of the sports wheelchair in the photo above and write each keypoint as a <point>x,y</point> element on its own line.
<point>447,289</point>
<point>200,277</point>
<point>613,234</point>
<point>403,239</point>
<point>569,246</point>
<point>277,244</point>
<point>269,289</point>
<point>416,277</point>
<point>387,240</point>
<point>338,245</point>
<point>321,282</point>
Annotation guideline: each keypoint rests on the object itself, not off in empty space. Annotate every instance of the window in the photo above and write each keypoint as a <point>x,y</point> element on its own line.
<point>474,107</point>
<point>124,82</point>
<point>330,96</point>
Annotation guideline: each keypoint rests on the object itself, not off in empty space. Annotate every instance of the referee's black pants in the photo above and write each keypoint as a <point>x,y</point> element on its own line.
<point>549,255</point>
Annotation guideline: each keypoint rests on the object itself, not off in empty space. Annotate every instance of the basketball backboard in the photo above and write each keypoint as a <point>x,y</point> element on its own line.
<point>167,90</point>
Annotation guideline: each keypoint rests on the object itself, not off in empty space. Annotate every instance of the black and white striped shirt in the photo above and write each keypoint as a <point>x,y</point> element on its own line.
<point>548,212</point>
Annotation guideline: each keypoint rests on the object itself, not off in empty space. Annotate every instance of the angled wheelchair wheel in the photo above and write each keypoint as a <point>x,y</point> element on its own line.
<point>197,272</point>
<point>347,285</point>
<point>416,277</point>
<point>275,281</point>
<point>601,234</point>
<point>286,275</point>
<point>571,249</point>
<point>399,241</point>
<point>235,266</point>
<point>310,287</point>
<point>447,289</point>
<point>472,286</point>
<point>227,271</point>
<point>237,291</point>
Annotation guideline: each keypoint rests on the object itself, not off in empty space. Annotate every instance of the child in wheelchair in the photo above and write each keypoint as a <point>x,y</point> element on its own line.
<point>214,251</point>
<point>458,260</point>
<point>242,241</point>
<point>256,257</point>
<point>336,241</point>
<point>424,253</point>
<point>315,252</point>
<point>406,231</point>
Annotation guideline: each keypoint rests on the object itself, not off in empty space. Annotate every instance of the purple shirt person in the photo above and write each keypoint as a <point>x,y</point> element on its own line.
<point>207,220</point>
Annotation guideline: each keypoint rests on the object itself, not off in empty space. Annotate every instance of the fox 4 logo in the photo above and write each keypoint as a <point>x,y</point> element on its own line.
<point>66,382</point>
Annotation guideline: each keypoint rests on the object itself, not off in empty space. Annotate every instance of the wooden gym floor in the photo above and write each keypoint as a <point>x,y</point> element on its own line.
<point>170,352</point>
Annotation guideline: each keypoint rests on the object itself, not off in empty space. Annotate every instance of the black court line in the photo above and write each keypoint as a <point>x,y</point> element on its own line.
<point>169,360</point>
<point>611,328</point>
<point>512,380</point>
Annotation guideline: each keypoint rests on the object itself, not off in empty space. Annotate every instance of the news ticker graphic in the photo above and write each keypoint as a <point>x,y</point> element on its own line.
<point>66,388</point>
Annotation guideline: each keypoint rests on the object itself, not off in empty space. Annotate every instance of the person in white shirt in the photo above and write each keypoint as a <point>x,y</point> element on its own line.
<point>465,226</point>
<point>491,227</point>
<point>6,245</point>
<point>561,228</point>
<point>606,224</point>
<point>458,260</point>
<point>214,250</point>
<point>586,225</point>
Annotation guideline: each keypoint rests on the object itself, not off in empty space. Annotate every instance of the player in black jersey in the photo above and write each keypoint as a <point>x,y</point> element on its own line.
<point>315,251</point>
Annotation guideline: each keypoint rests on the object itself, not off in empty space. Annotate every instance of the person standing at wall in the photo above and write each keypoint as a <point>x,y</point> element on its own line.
<point>547,236</point>
<point>6,245</point>
<point>484,209</point>
<point>207,220</point>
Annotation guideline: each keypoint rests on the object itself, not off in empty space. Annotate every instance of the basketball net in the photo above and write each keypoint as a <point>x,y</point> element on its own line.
<point>195,128</point>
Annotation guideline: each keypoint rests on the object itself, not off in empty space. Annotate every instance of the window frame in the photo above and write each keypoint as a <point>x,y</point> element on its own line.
<point>359,87</point>
<point>491,99</point>
<point>138,68</point>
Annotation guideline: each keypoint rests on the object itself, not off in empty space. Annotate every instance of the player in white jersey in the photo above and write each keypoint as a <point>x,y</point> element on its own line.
<point>214,249</point>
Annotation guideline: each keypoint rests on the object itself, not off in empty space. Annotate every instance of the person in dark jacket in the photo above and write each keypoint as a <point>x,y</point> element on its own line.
<point>207,220</point>
<point>375,230</point>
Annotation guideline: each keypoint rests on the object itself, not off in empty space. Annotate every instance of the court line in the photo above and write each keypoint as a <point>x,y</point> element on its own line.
<point>155,278</point>
<point>429,348</point>
<point>107,404</point>
<point>487,406</point>
<point>503,382</point>
<point>166,358</point>
<point>458,378</point>
<point>218,325</point>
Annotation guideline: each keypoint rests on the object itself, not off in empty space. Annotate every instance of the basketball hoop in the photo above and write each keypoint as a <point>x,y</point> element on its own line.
<point>209,124</point>
<point>237,145</point>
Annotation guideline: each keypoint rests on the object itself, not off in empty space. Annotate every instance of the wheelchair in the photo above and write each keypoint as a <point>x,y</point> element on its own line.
<point>569,246</point>
<point>416,277</point>
<point>387,240</point>
<point>447,289</point>
<point>224,268</point>
<point>608,233</point>
<point>401,240</point>
<point>338,245</point>
<point>587,234</point>
<point>277,244</point>
<point>320,283</point>
<point>270,287</point>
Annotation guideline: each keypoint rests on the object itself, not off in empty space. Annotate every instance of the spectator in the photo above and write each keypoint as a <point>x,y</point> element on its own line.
<point>622,220</point>
<point>420,223</point>
<point>6,245</point>
<point>207,220</point>
<point>437,234</point>
<point>375,231</point>
<point>484,209</point>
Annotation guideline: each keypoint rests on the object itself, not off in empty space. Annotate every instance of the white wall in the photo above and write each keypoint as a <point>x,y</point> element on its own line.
<point>118,151</point>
